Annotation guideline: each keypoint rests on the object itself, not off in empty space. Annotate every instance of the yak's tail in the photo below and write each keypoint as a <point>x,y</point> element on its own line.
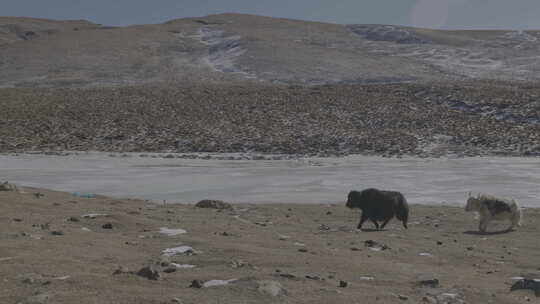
<point>402,210</point>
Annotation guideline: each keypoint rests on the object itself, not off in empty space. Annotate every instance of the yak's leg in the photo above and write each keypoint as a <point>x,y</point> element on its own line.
<point>362,220</point>
<point>384,224</point>
<point>376,224</point>
<point>483,226</point>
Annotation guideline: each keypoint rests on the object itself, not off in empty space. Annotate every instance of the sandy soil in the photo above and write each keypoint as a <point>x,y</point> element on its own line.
<point>299,253</point>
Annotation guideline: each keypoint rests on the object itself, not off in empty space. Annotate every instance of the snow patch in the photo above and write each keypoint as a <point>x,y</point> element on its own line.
<point>213,283</point>
<point>171,232</point>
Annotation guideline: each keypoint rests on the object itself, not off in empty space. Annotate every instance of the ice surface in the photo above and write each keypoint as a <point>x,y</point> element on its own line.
<point>424,181</point>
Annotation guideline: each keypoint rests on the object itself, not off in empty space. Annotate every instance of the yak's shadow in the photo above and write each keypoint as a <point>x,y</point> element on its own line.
<point>476,232</point>
<point>370,230</point>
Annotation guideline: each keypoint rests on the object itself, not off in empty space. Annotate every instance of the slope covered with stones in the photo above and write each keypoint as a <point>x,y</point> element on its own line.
<point>372,119</point>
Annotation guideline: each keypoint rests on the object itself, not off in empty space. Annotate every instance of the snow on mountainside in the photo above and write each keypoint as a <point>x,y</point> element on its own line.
<point>236,47</point>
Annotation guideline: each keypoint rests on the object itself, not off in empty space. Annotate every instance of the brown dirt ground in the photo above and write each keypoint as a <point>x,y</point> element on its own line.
<point>259,244</point>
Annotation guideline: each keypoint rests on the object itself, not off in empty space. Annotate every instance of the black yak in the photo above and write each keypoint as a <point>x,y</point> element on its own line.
<point>378,205</point>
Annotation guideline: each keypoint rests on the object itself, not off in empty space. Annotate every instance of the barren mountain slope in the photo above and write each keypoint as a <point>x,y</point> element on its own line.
<point>231,47</point>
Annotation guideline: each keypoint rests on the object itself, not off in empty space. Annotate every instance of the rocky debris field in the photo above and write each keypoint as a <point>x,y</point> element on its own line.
<point>461,119</point>
<point>64,248</point>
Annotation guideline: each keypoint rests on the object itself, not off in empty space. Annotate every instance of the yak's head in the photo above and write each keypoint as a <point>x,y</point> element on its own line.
<point>353,200</point>
<point>473,203</point>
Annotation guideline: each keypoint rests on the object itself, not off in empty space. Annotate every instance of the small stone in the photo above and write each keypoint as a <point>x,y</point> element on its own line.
<point>107,226</point>
<point>169,270</point>
<point>272,288</point>
<point>121,270</point>
<point>287,275</point>
<point>57,232</point>
<point>439,243</point>
<point>73,219</point>
<point>149,272</point>
<point>196,284</point>
<point>302,250</point>
<point>403,297</point>
<point>343,284</point>
<point>17,220</point>
<point>429,299</point>
<point>434,283</point>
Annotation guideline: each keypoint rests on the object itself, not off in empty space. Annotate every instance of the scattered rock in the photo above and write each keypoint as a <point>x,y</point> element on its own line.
<point>403,297</point>
<point>302,250</point>
<point>33,278</point>
<point>57,232</point>
<point>107,226</point>
<point>169,270</point>
<point>531,284</point>
<point>343,284</point>
<point>171,232</point>
<point>177,250</point>
<point>183,265</point>
<point>433,283</point>
<point>149,272</point>
<point>323,227</point>
<point>17,219</point>
<point>73,219</point>
<point>430,299</point>
<point>36,299</point>
<point>196,284</point>
<point>375,246</point>
<point>213,283</point>
<point>272,288</point>
<point>287,276</point>
<point>94,215</point>
<point>213,204</point>
<point>122,270</point>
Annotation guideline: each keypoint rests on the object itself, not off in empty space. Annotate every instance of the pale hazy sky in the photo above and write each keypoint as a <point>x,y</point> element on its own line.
<point>449,14</point>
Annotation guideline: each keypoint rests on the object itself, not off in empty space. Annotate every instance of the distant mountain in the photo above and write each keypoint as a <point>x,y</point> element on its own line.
<point>236,47</point>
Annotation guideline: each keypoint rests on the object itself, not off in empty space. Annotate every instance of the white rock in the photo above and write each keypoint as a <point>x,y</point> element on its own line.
<point>272,288</point>
<point>171,232</point>
<point>177,250</point>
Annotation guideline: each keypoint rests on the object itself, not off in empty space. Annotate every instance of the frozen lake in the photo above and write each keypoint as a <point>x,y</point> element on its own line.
<point>312,180</point>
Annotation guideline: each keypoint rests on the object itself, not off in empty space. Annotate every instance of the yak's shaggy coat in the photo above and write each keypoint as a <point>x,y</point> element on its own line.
<point>492,208</point>
<point>378,205</point>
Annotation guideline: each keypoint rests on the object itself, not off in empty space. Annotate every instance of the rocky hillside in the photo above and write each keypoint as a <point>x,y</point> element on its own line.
<point>464,119</point>
<point>232,47</point>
